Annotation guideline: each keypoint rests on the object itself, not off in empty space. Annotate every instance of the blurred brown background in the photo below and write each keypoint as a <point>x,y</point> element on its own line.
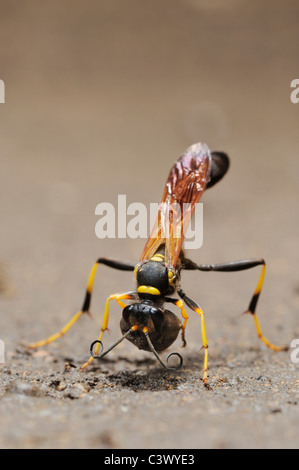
<point>101,98</point>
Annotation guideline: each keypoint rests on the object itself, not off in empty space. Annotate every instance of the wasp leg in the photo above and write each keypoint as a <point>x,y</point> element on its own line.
<point>196,308</point>
<point>241,266</point>
<point>85,308</point>
<point>185,316</point>
<point>118,298</point>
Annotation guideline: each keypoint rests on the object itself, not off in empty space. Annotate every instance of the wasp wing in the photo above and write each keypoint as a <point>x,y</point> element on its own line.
<point>184,187</point>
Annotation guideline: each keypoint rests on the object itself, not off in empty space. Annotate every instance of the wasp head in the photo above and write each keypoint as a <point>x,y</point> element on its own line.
<point>162,326</point>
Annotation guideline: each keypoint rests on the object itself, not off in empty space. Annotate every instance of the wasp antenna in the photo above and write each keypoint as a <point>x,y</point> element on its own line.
<point>180,359</point>
<point>92,345</point>
<point>145,331</point>
<point>96,356</point>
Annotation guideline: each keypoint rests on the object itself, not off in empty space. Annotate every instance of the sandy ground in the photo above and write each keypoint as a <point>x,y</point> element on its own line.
<point>101,98</point>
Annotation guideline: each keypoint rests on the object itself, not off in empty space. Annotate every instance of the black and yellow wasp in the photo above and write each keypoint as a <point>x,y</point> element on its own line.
<point>145,321</point>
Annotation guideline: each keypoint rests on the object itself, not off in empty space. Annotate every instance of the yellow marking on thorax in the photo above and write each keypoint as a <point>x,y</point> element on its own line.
<point>157,257</point>
<point>171,277</point>
<point>148,290</point>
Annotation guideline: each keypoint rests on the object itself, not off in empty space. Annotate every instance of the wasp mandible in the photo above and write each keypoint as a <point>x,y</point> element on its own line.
<point>145,320</point>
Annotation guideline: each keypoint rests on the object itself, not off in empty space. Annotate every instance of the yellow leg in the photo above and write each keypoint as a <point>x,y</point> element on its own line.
<point>76,317</point>
<point>257,291</point>
<point>204,342</point>
<point>251,310</point>
<point>118,298</point>
<point>180,304</point>
<point>85,308</point>
<point>62,332</point>
<point>262,337</point>
<point>193,306</point>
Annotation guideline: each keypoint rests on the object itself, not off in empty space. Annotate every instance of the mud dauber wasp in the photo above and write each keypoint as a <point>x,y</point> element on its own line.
<point>145,322</point>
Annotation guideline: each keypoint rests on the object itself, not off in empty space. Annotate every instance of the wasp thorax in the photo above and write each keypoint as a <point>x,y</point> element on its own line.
<point>154,274</point>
